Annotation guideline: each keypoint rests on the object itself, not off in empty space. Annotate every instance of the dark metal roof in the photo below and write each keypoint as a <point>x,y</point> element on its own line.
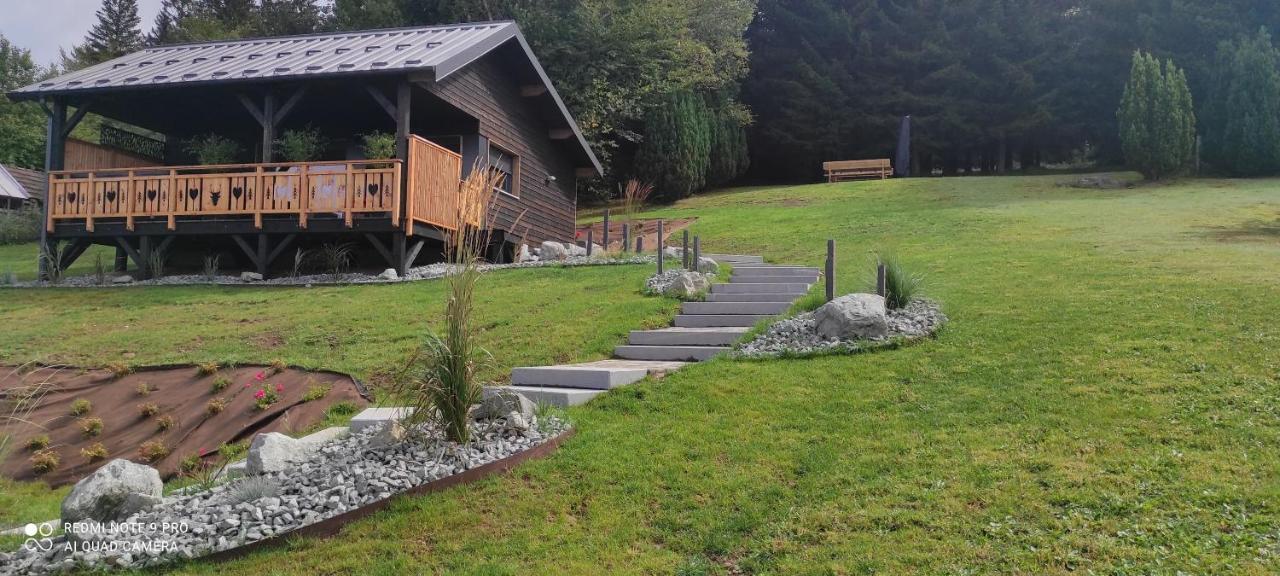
<point>31,184</point>
<point>439,50</point>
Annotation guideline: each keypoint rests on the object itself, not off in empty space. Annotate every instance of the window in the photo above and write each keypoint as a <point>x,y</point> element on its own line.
<point>508,165</point>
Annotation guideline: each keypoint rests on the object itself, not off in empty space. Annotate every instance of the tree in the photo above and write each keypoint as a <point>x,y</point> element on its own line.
<point>728,157</point>
<point>287,17</point>
<point>675,153</point>
<point>1156,117</point>
<point>22,125</point>
<point>167,28</point>
<point>1242,115</point>
<point>115,34</point>
<point>367,14</point>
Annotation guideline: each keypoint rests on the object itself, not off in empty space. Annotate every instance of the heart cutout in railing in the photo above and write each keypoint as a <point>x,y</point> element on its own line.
<point>152,194</point>
<point>237,192</point>
<point>373,189</point>
<point>71,197</point>
<point>193,193</point>
<point>111,195</point>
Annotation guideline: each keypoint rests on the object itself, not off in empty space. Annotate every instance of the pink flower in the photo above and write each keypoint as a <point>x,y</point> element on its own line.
<point>246,384</point>
<point>202,451</point>
<point>260,376</point>
<point>280,388</point>
<point>260,394</point>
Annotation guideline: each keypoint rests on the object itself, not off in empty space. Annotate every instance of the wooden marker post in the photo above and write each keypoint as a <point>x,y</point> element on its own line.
<point>605,243</point>
<point>626,237</point>
<point>831,269</point>
<point>697,253</point>
<point>881,289</point>
<point>660,246</point>
<point>590,240</point>
<point>684,252</point>
<point>640,244</point>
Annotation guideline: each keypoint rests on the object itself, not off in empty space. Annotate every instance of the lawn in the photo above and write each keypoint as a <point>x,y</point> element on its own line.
<point>1105,398</point>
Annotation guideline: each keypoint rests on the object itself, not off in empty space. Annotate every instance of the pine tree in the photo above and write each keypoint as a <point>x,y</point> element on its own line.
<point>1157,119</point>
<point>1242,115</point>
<point>115,34</point>
<point>367,14</point>
<point>167,28</point>
<point>287,17</point>
<point>675,153</point>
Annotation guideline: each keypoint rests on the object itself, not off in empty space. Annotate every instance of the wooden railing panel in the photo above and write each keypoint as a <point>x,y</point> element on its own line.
<point>340,188</point>
<point>434,176</point>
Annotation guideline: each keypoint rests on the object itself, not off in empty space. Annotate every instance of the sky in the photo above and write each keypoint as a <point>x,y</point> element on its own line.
<point>44,26</point>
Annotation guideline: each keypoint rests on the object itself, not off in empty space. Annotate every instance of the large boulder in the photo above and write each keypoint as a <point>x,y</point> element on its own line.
<point>275,452</point>
<point>113,492</point>
<point>853,317</point>
<point>553,251</point>
<point>576,250</point>
<point>499,402</point>
<point>389,274</point>
<point>522,255</point>
<point>707,266</point>
<point>687,285</point>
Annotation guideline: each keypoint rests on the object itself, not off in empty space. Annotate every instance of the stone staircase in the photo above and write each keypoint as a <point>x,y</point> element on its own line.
<point>703,330</point>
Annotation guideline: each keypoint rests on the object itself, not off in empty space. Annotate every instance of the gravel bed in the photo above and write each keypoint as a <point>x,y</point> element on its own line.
<point>798,334</point>
<point>347,473</point>
<point>428,272</point>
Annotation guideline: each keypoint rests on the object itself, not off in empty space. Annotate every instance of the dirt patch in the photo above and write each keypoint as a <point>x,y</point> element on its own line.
<point>1251,231</point>
<point>179,393</point>
<point>647,228</point>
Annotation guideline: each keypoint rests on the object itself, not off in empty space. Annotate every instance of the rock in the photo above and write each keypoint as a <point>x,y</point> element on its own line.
<point>517,421</point>
<point>673,252</point>
<point>125,279</point>
<point>250,277</point>
<point>113,492</point>
<point>499,402</point>
<point>389,434</point>
<point>575,250</point>
<point>708,266</point>
<point>522,255</point>
<point>685,285</point>
<point>553,251</point>
<point>853,317</point>
<point>389,274</point>
<point>275,452</point>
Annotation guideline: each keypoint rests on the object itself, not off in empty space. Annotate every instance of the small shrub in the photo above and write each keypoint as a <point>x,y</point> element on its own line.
<point>303,145</point>
<point>300,259</point>
<point>343,408</point>
<point>278,366</point>
<point>191,463</point>
<point>215,406</point>
<point>265,397</point>
<point>156,263</point>
<point>316,392</point>
<point>337,258</point>
<point>51,259</point>
<point>210,271</point>
<point>38,443</point>
<point>203,474</point>
<point>220,383</point>
<point>901,287</point>
<point>252,488</point>
<point>207,368</point>
<point>99,270</point>
<point>234,450</point>
<point>148,410</point>
<point>153,451</point>
<point>94,452</point>
<point>143,389</point>
<point>165,423</point>
<point>44,461</point>
<point>21,226</point>
<point>91,427</point>
<point>379,145</point>
<point>118,370</point>
<point>212,149</point>
<point>80,407</point>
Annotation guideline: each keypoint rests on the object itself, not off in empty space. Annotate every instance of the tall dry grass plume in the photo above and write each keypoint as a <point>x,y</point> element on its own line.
<point>17,403</point>
<point>443,385</point>
<point>634,196</point>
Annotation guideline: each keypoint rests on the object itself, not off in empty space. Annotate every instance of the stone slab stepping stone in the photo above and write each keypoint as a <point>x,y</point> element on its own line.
<point>735,259</point>
<point>689,353</point>
<point>325,435</point>
<point>556,396</point>
<point>765,297</point>
<point>723,336</point>
<point>371,417</point>
<point>775,307</point>
<point>751,272</point>
<point>754,287</point>
<point>788,280</point>
<point>718,320</point>
<point>600,375</point>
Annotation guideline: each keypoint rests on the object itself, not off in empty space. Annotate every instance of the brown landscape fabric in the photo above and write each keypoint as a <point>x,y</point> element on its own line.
<point>648,229</point>
<point>179,392</point>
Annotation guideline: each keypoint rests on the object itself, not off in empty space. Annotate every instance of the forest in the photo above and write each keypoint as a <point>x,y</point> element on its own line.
<point>695,94</point>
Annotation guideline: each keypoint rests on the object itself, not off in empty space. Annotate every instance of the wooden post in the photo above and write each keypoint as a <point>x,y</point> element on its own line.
<point>268,127</point>
<point>881,289</point>
<point>659,246</point>
<point>122,260</point>
<point>262,255</point>
<point>144,250</point>
<point>404,105</point>
<point>684,251</point>
<point>606,229</point>
<point>697,253</point>
<point>640,244</point>
<point>590,240</point>
<point>55,153</point>
<point>831,269</point>
<point>626,237</point>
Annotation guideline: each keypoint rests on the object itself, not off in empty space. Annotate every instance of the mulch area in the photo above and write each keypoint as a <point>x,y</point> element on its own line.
<point>647,228</point>
<point>179,392</point>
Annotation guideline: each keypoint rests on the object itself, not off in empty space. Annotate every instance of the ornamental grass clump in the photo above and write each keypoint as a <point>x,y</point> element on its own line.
<point>19,402</point>
<point>901,286</point>
<point>443,385</point>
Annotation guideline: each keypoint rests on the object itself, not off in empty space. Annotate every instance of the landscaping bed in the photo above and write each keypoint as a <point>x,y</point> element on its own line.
<point>172,413</point>
<point>799,334</point>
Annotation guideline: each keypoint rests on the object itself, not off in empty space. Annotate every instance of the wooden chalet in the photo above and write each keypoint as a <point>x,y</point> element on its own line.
<point>457,97</point>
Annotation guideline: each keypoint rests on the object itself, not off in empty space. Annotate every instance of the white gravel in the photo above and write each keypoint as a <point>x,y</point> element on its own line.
<point>798,335</point>
<point>347,473</point>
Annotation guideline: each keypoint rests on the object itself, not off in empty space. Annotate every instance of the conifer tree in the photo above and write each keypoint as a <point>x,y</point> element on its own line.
<point>1242,116</point>
<point>1157,120</point>
<point>115,34</point>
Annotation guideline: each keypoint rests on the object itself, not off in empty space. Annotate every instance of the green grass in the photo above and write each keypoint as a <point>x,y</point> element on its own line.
<point>1106,397</point>
<point>23,502</point>
<point>23,260</point>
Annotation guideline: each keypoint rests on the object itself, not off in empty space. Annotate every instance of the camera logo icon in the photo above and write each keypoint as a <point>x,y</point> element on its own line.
<point>42,544</point>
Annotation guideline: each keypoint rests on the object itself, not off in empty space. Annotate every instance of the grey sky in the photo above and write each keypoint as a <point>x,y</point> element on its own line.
<point>44,26</point>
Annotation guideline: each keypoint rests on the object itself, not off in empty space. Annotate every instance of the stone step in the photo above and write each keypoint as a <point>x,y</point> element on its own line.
<point>735,259</point>
<point>764,297</point>
<point>682,353</point>
<point>600,375</point>
<point>755,287</point>
<point>736,279</point>
<point>775,307</point>
<point>556,396</point>
<point>723,336</point>
<point>718,320</point>
<point>753,271</point>
<point>370,417</point>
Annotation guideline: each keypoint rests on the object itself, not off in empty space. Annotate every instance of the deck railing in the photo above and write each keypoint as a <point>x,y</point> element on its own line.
<point>434,176</point>
<point>304,189</point>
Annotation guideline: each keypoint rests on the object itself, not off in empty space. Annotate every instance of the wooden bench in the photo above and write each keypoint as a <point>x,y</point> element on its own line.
<point>841,170</point>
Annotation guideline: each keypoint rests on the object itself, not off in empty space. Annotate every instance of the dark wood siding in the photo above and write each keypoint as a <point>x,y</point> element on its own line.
<point>488,91</point>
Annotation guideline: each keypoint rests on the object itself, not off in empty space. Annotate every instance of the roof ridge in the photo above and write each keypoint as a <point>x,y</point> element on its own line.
<point>335,34</point>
